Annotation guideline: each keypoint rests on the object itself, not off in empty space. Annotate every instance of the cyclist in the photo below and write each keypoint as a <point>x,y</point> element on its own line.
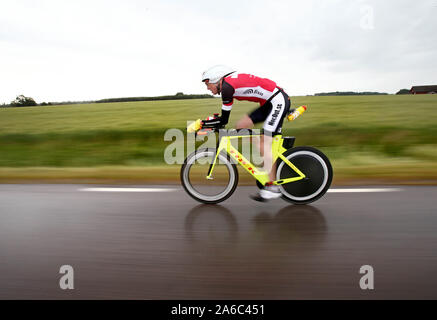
<point>274,106</point>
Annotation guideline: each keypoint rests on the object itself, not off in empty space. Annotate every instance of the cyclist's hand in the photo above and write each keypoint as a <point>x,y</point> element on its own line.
<point>212,122</point>
<point>195,126</point>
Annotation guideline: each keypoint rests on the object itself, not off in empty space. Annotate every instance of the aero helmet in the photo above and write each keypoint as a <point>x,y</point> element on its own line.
<point>214,74</point>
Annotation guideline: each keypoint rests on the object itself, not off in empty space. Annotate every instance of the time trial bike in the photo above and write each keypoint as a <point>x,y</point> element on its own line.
<point>210,175</point>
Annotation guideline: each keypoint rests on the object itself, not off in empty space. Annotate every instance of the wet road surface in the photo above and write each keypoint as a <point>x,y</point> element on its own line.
<point>164,245</point>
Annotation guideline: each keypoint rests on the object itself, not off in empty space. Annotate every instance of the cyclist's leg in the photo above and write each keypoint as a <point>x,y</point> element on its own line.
<point>272,126</point>
<point>245,123</point>
<point>259,115</point>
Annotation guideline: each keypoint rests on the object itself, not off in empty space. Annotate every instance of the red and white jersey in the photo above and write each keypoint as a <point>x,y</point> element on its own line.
<point>243,86</point>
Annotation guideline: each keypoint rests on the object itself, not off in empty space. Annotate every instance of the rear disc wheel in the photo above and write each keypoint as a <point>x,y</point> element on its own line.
<point>317,169</point>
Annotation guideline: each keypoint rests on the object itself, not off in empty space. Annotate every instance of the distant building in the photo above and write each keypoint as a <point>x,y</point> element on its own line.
<point>423,89</point>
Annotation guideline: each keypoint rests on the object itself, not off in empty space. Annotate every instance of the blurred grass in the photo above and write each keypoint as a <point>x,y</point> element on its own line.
<point>386,132</point>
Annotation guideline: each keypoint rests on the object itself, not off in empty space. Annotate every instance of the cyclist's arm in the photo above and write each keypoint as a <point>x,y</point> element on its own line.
<point>228,99</point>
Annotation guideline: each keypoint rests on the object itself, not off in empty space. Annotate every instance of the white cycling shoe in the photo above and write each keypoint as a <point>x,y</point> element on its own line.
<point>267,193</point>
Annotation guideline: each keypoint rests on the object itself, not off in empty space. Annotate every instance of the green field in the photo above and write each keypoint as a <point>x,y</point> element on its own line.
<point>368,138</point>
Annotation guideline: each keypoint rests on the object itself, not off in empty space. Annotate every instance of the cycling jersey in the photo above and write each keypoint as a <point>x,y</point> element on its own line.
<point>243,86</point>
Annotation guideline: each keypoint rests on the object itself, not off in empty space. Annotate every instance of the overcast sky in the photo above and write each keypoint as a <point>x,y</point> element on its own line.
<point>84,50</point>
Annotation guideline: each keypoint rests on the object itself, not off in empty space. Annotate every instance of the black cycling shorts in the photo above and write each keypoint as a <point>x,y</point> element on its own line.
<point>272,113</point>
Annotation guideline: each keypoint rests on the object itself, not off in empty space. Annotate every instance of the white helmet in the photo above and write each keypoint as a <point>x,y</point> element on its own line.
<point>214,74</point>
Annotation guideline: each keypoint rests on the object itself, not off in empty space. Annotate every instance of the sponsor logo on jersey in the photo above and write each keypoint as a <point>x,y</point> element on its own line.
<point>275,114</point>
<point>251,91</point>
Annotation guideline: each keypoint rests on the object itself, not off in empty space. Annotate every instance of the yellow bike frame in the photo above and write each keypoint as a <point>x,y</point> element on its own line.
<point>260,175</point>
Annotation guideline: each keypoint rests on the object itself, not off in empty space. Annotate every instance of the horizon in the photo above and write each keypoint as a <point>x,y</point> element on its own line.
<point>212,96</point>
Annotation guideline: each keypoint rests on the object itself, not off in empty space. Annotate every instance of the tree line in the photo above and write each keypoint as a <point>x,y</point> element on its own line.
<point>23,101</point>
<point>177,96</point>
<point>349,93</point>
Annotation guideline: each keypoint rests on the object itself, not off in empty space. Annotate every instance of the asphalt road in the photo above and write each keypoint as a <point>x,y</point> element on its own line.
<point>164,245</point>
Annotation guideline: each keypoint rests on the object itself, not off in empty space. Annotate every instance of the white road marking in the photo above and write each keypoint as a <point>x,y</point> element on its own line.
<point>336,190</point>
<point>365,190</point>
<point>127,189</point>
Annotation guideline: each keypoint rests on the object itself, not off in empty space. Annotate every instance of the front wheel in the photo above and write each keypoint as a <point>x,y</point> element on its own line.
<point>317,169</point>
<point>194,172</point>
